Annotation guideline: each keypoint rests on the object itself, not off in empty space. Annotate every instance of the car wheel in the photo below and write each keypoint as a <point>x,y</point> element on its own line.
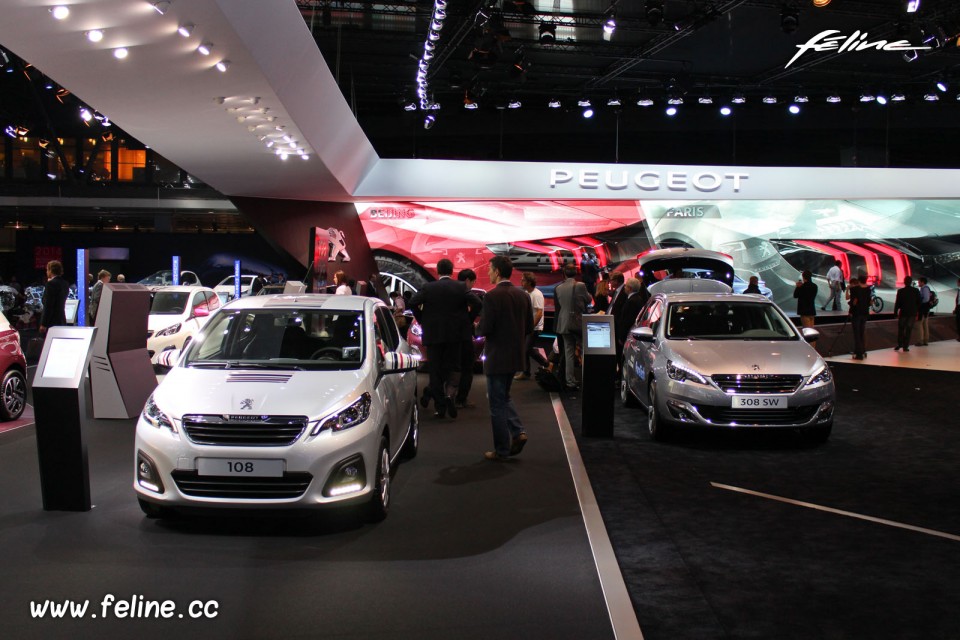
<point>819,435</point>
<point>14,389</point>
<point>658,430</point>
<point>626,397</point>
<point>153,511</point>
<point>380,501</point>
<point>412,444</point>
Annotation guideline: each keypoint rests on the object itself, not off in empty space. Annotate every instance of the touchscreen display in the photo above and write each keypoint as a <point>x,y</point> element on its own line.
<point>64,358</point>
<point>599,335</point>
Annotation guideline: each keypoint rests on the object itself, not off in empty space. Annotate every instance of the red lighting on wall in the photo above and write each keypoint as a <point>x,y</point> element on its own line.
<point>900,261</point>
<point>873,261</point>
<point>836,253</point>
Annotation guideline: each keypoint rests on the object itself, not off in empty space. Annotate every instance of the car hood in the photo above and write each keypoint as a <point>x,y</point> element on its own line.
<point>269,392</point>
<point>711,357</point>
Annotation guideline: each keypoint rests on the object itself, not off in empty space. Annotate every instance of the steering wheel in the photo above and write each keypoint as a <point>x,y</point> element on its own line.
<point>327,353</point>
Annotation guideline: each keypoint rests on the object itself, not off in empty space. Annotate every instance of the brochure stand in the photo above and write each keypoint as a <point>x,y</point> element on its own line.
<point>599,376</point>
<point>59,398</point>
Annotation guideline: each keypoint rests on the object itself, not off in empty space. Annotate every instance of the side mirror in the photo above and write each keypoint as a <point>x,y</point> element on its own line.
<point>643,334</point>
<point>809,334</point>
<point>395,362</point>
<point>201,312</point>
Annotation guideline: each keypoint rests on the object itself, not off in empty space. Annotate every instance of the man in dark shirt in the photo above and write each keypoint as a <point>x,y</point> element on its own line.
<point>54,312</point>
<point>505,321</point>
<point>859,310</point>
<point>906,307</point>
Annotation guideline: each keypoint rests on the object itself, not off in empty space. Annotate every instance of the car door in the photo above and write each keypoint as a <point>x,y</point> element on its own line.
<point>394,388</point>
<point>198,300</point>
<point>638,355</point>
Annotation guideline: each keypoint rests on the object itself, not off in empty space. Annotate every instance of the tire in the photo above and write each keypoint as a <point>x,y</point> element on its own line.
<point>153,511</point>
<point>379,505</point>
<point>818,435</point>
<point>412,445</point>
<point>658,430</point>
<point>876,304</point>
<point>402,268</point>
<point>14,395</point>
<point>626,396</point>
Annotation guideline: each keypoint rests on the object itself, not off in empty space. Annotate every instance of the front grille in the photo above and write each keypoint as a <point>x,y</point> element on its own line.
<point>244,430</point>
<point>757,417</point>
<point>757,383</point>
<point>290,485</point>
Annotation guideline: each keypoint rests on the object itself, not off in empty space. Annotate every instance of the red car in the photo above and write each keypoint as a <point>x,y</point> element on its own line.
<point>14,368</point>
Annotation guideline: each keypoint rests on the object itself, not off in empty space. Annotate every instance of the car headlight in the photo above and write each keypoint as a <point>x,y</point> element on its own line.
<point>416,329</point>
<point>821,377</point>
<point>156,417</point>
<point>169,331</point>
<point>353,415</point>
<point>681,373</point>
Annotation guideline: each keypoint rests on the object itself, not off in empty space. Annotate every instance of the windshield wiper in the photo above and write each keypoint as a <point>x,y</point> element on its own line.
<point>282,366</point>
<point>209,364</point>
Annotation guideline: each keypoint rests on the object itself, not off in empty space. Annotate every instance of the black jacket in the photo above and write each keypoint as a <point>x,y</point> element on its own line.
<point>907,302</point>
<point>505,321</point>
<point>806,295</point>
<point>443,308</point>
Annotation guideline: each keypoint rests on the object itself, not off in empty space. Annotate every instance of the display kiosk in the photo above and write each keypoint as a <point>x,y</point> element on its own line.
<point>599,375</point>
<point>121,375</point>
<point>59,399</point>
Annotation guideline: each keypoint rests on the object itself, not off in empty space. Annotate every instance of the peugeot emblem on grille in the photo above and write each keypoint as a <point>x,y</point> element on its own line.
<point>246,404</point>
<point>756,367</point>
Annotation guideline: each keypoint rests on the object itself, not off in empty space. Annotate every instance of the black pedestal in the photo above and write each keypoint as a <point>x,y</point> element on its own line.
<point>598,395</point>
<point>64,476</point>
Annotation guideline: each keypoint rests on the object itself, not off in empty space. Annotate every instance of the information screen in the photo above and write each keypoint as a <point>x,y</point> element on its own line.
<point>599,335</point>
<point>65,357</point>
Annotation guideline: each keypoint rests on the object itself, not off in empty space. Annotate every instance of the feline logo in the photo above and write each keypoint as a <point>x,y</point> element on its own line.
<point>693,211</point>
<point>857,41</point>
<point>246,404</point>
<point>338,246</point>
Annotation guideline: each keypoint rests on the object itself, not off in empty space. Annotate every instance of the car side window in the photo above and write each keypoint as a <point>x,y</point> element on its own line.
<point>213,300</point>
<point>199,301</point>
<point>650,316</point>
<point>386,330</point>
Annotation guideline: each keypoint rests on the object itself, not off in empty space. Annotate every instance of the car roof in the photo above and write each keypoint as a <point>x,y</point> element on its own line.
<point>184,287</point>
<point>304,300</point>
<point>689,285</point>
<point>713,297</point>
<point>684,253</point>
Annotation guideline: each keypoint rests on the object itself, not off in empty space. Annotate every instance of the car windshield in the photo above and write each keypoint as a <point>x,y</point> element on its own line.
<point>228,281</point>
<point>280,339</point>
<point>160,277</point>
<point>170,303</point>
<point>728,320</point>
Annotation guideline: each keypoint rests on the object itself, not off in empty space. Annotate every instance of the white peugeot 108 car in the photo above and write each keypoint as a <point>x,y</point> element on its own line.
<point>281,402</point>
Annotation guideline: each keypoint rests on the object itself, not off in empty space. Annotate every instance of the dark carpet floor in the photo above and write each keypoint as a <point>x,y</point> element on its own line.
<point>703,562</point>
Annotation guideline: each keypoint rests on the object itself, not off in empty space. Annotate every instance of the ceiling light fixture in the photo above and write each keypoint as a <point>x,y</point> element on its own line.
<point>794,109</point>
<point>833,98</point>
<point>725,110</point>
<point>223,65</point>
<point>185,29</point>
<point>801,98</point>
<point>671,111</point>
<point>738,98</point>
<point>204,48</point>
<point>942,86</point>
<point>931,97</point>
<point>583,102</point>
<point>613,102</point>
<point>881,99</point>
<point>548,33</point>
<point>60,12</point>
<point>644,101</point>
<point>514,104</point>
<point>588,113</point>
<point>94,35</point>
<point>912,6</point>
<point>120,53</point>
<point>897,97</point>
<point>554,104</point>
<point>705,100</point>
<point>160,6</point>
<point>429,121</point>
<point>866,96</point>
<point>674,100</point>
<point>85,114</point>
<point>770,100</point>
<point>820,3</point>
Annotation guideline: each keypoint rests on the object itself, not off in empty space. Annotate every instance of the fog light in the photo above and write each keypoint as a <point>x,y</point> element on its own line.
<point>348,477</point>
<point>826,412</point>
<point>680,411</point>
<point>147,475</point>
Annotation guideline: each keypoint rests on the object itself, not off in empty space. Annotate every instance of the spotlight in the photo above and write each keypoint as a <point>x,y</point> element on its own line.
<point>881,99</point>
<point>161,6</point>
<point>801,98</point>
<point>653,11</point>
<point>554,104</point>
<point>613,102</point>
<point>120,53</point>
<point>60,12</point>
<point>770,100</point>
<point>820,3</point>
<point>85,115</point>
<point>588,113</point>
<point>705,100</point>
<point>11,131</point>
<point>942,86</point>
<point>866,96</point>
<point>185,29</point>
<point>583,102</point>
<point>794,109</point>
<point>428,121</point>
<point>674,100</point>
<point>897,97</point>
<point>95,35</point>
<point>44,143</point>
<point>789,18</point>
<point>548,33</point>
<point>738,98</point>
<point>609,24</point>
<point>912,6</point>
<point>833,98</point>
<point>514,104</point>
<point>223,65</point>
<point>671,111</point>
<point>409,105</point>
<point>931,97</point>
<point>470,105</point>
<point>725,110</point>
<point>644,101</point>
<point>204,48</point>
<point>22,131</point>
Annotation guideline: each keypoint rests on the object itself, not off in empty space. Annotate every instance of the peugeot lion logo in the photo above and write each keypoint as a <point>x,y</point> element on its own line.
<point>756,367</point>
<point>246,404</point>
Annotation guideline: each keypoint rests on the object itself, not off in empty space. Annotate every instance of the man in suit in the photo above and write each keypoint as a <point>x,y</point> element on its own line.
<point>102,278</point>
<point>906,308</point>
<point>571,300</point>
<point>54,312</point>
<point>442,308</point>
<point>505,322</point>
<point>467,354</point>
<point>636,296</point>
